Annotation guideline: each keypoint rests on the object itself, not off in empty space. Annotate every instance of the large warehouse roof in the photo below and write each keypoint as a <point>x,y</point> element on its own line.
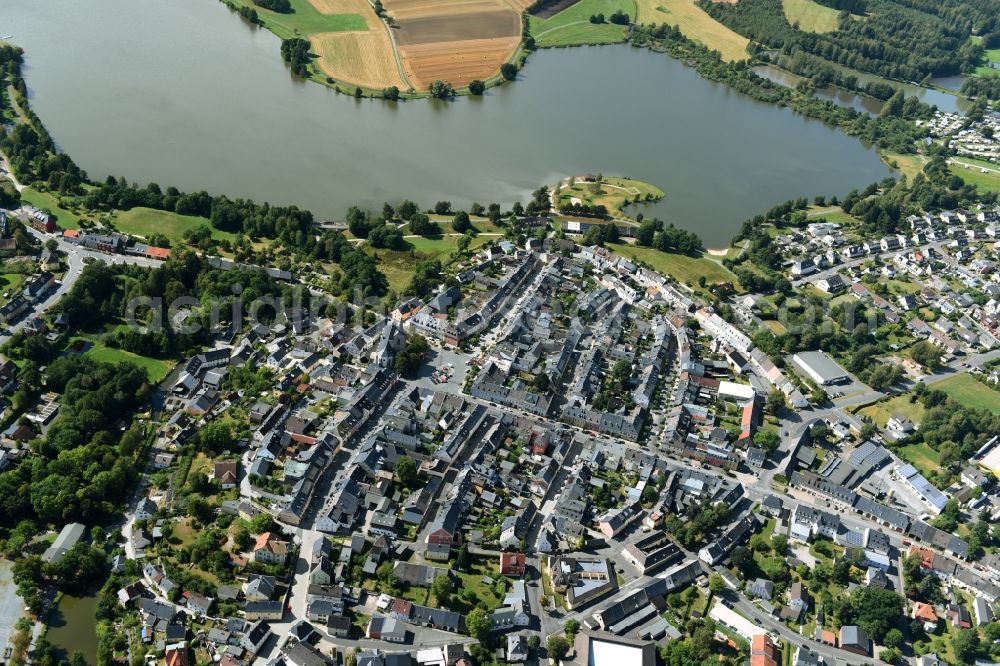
<point>820,367</point>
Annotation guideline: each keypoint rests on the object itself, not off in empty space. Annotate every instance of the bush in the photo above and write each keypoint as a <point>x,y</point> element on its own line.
<point>280,6</point>
<point>441,90</point>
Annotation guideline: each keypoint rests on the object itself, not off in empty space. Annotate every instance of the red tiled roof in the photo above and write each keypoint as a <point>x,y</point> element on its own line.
<point>177,657</point>
<point>925,612</point>
<point>262,541</point>
<point>512,563</point>
<point>926,556</point>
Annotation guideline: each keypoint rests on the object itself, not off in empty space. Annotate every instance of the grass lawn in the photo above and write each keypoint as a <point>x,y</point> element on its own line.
<point>921,456</point>
<point>680,267</point>
<point>908,165</point>
<point>147,221</point>
<point>10,282</point>
<point>305,20</point>
<point>156,369</point>
<point>831,214</point>
<point>572,26</point>
<point>184,532</point>
<point>398,265</point>
<point>992,55</point>
<point>613,193</point>
<point>695,24</point>
<point>46,201</point>
<point>776,326</point>
<point>201,463</point>
<point>811,16</point>
<point>473,589</point>
<point>902,287</point>
<point>482,225</point>
<point>970,392</point>
<point>973,175</point>
<point>882,410</point>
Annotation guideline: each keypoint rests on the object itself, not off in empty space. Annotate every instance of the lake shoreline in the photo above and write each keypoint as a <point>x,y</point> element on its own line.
<point>11,605</point>
<point>723,156</point>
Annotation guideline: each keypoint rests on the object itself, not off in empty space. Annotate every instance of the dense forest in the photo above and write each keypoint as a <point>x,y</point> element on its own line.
<point>281,6</point>
<point>858,7</point>
<point>103,294</point>
<point>668,238</point>
<point>982,86</point>
<point>906,40</point>
<point>83,466</point>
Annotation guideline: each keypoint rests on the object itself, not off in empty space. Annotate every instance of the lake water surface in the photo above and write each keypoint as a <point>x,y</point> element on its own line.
<point>10,604</point>
<point>185,93</point>
<point>942,100</point>
<point>73,626</point>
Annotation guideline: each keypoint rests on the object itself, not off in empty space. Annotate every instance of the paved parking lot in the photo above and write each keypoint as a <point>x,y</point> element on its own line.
<point>438,360</point>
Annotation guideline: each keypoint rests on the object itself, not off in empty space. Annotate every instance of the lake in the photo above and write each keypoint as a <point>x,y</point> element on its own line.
<point>185,93</point>
<point>73,626</point>
<point>944,101</point>
<point>10,603</point>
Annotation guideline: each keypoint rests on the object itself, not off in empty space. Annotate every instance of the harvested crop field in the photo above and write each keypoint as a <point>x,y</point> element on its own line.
<point>453,40</point>
<point>696,24</point>
<point>360,58</point>
<point>347,7</point>
<point>552,10</point>
<point>457,62</point>
<point>459,27</point>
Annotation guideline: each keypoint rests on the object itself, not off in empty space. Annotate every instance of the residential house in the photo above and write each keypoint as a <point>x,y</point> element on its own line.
<point>226,473</point>
<point>269,549</point>
<point>512,564</point>
<point>854,639</point>
<point>761,588</point>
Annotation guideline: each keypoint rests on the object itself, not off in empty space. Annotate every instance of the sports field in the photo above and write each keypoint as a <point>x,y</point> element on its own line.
<point>695,24</point>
